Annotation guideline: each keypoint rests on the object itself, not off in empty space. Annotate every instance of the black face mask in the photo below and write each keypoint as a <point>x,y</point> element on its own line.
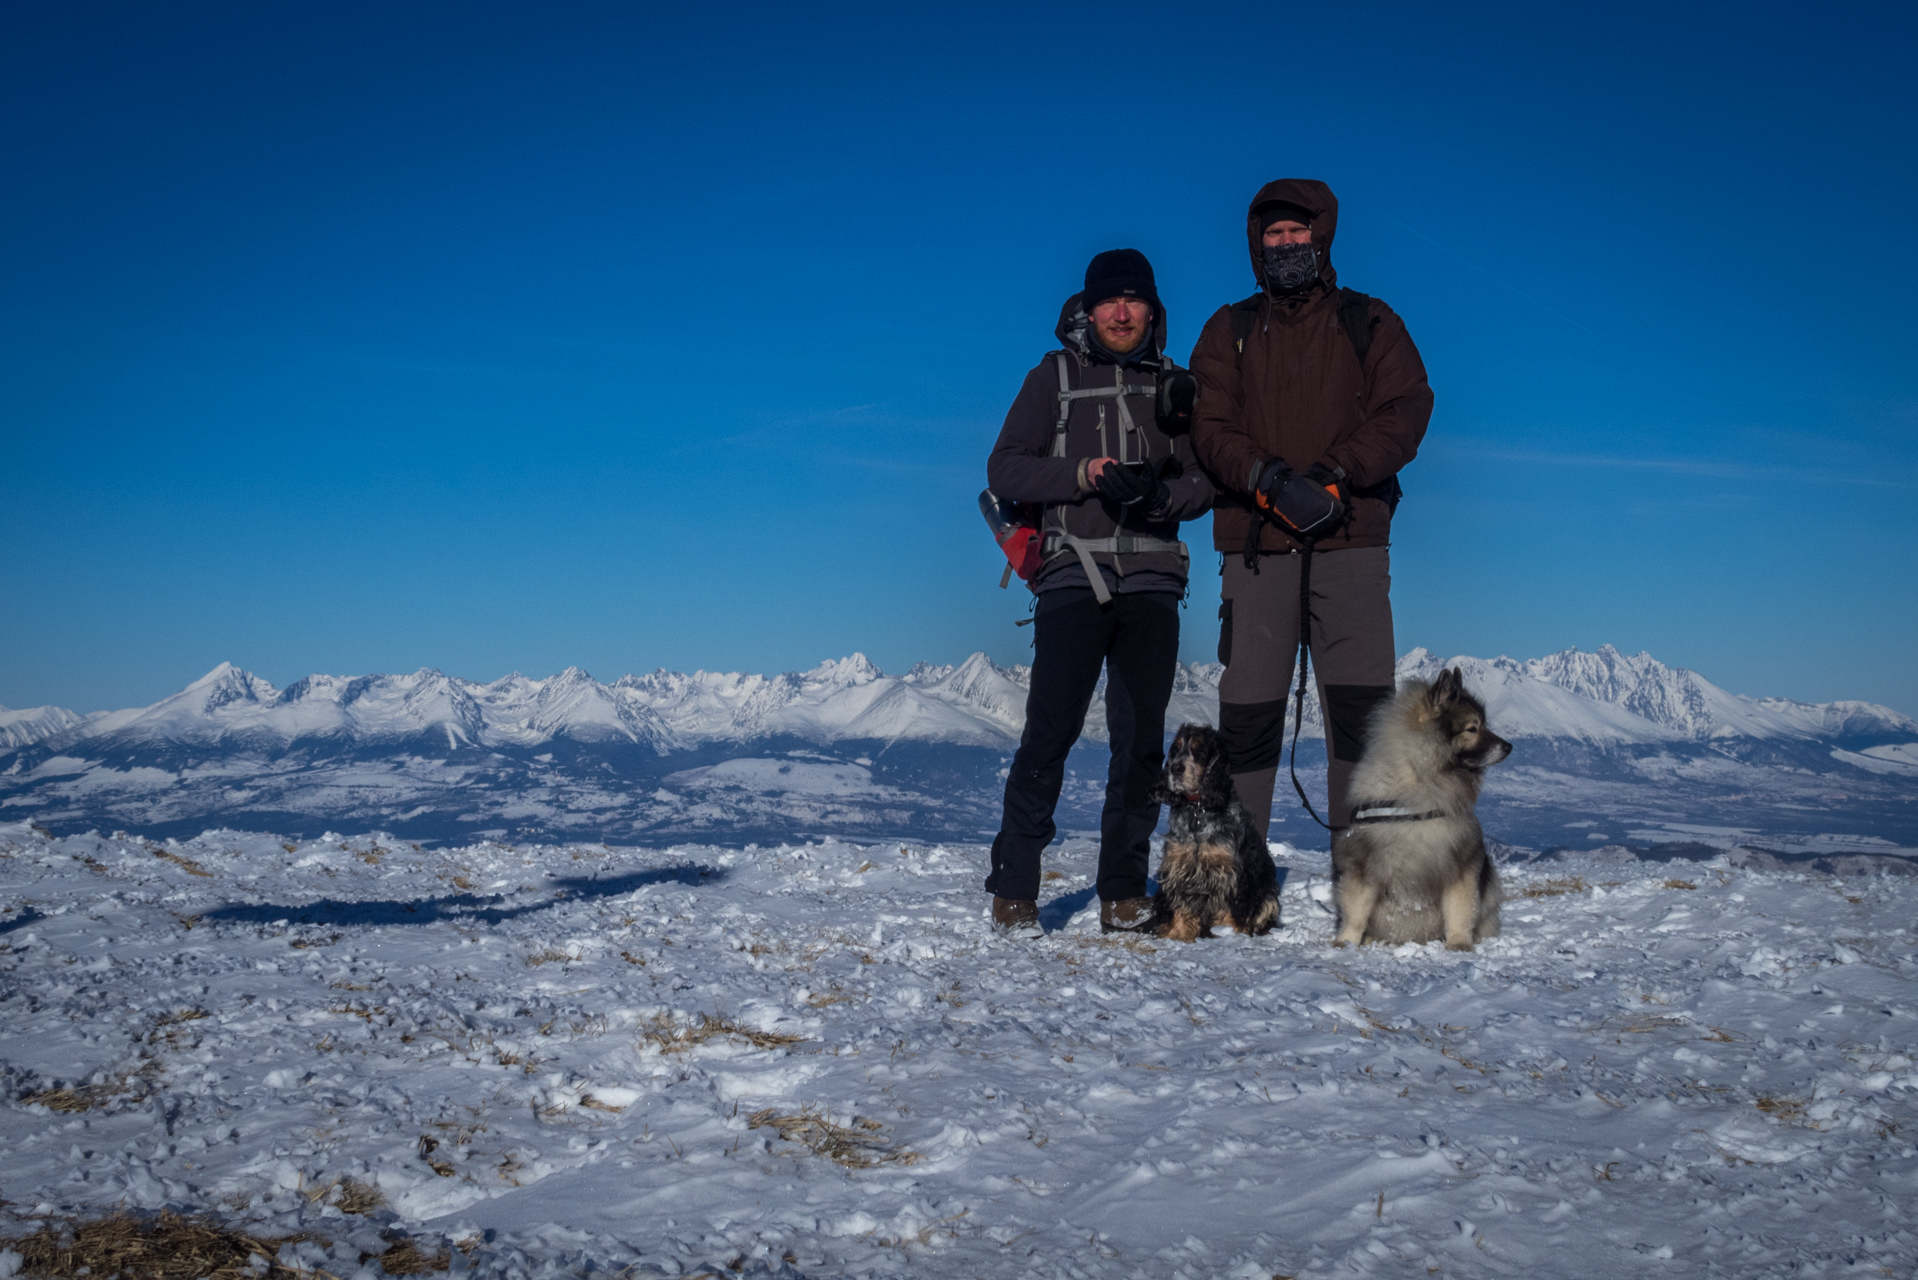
<point>1291,267</point>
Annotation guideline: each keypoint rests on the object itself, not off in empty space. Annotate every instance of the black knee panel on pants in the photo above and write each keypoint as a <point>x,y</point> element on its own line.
<point>1348,710</point>
<point>1253,734</point>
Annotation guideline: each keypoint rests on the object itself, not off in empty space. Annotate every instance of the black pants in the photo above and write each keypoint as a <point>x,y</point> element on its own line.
<point>1136,640</point>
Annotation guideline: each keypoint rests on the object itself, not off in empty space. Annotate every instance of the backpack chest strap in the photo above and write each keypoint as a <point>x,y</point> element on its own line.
<point>1123,389</point>
<point>1119,390</point>
<point>1059,543</point>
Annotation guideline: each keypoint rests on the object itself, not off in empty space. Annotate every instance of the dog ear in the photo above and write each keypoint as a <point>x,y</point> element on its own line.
<point>1446,689</point>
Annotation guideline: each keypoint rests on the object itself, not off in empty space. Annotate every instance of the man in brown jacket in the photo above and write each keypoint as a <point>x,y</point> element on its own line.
<point>1311,399</point>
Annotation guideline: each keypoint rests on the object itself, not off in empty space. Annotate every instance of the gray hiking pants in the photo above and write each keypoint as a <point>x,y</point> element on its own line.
<point>1352,659</point>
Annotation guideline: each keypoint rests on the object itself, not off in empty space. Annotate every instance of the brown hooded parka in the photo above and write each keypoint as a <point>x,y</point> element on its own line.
<point>1300,394</point>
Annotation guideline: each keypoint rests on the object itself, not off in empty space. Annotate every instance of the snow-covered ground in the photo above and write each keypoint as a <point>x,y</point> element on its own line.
<point>574,1060</point>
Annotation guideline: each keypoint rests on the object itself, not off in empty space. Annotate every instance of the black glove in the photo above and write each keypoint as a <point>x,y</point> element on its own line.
<point>1309,505</point>
<point>1118,483</point>
<point>1178,394</point>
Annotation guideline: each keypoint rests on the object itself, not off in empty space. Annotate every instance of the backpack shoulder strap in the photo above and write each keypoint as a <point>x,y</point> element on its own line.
<point>1355,314</point>
<point>1065,404</point>
<point>1245,314</point>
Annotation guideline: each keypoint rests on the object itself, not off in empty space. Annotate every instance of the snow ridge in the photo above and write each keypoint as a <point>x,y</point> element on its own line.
<point>20,728</point>
<point>1603,699</point>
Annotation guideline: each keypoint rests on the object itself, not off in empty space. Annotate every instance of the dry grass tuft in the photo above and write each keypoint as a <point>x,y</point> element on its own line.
<point>365,1012</point>
<point>588,1028</point>
<point>86,1097</point>
<point>1106,941</point>
<point>1650,1023</point>
<point>1676,883</point>
<point>1554,887</point>
<point>428,1145</point>
<point>359,1197</point>
<point>674,1037</point>
<point>187,865</point>
<point>406,1258</point>
<point>1785,1110</point>
<point>838,995</point>
<point>552,955</point>
<point>858,1145</point>
<point>167,1248</point>
<point>170,1029</point>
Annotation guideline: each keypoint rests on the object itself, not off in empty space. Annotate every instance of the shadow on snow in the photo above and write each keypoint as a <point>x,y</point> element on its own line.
<point>464,907</point>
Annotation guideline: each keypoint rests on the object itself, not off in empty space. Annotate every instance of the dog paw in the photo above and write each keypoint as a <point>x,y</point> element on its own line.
<point>1341,942</point>
<point>1458,946</point>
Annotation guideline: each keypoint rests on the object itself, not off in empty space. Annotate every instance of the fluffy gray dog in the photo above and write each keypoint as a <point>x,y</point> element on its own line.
<point>1412,865</point>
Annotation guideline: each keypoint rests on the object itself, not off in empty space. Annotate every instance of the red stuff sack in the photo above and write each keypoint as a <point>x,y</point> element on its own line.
<point>1015,527</point>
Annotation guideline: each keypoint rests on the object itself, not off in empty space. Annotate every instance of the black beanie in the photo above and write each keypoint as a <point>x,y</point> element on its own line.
<point>1280,211</point>
<point>1119,273</point>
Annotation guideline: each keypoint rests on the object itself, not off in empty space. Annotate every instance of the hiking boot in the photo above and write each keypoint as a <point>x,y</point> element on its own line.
<point>1016,918</point>
<point>1127,915</point>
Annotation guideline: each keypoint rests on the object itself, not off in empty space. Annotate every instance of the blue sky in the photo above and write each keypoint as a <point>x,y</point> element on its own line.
<point>359,338</point>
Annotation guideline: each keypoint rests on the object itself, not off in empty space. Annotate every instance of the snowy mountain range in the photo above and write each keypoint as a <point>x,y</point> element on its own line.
<point>1603,698</point>
<point>848,747</point>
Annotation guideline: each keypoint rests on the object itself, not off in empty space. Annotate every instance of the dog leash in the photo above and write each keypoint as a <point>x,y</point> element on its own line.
<point>1305,655</point>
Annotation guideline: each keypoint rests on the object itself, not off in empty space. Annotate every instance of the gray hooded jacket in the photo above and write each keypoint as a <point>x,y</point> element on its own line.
<point>1025,465</point>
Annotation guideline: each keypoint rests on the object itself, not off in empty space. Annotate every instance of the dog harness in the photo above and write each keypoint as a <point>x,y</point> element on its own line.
<point>1392,813</point>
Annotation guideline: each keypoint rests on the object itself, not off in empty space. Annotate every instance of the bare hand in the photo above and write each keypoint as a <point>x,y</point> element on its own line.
<point>1094,467</point>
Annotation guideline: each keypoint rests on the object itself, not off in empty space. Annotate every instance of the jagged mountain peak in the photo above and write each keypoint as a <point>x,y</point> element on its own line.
<point>224,672</point>
<point>856,669</point>
<point>229,683</point>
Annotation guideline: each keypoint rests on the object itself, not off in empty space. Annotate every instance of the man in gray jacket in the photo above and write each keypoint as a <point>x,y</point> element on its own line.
<point>1082,443</point>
